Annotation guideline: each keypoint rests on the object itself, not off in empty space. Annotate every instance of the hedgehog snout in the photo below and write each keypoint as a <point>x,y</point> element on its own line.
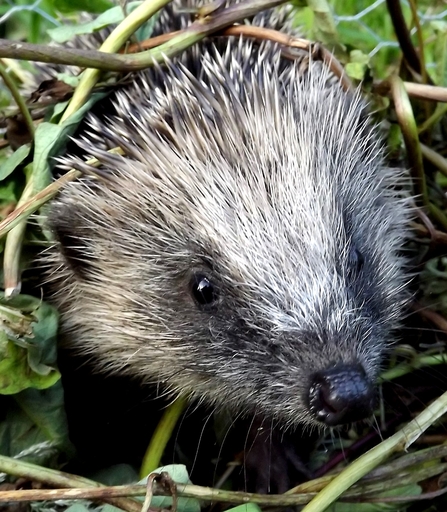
<point>341,394</point>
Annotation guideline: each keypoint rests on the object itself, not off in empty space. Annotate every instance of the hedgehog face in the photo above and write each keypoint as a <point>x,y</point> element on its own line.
<point>245,250</point>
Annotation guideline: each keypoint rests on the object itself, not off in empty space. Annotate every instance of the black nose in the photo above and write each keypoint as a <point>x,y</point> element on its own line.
<point>342,394</point>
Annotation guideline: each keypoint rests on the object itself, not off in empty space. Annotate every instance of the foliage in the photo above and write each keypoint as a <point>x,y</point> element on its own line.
<point>34,426</point>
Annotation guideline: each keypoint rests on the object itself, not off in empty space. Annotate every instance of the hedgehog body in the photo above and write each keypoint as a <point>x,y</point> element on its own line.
<point>245,250</point>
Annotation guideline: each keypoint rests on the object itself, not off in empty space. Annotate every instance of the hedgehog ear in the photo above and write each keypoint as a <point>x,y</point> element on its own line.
<point>75,246</point>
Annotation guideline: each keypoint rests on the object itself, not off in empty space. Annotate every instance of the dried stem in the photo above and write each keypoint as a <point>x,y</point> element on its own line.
<point>58,479</point>
<point>421,91</point>
<point>11,85</point>
<point>403,35</point>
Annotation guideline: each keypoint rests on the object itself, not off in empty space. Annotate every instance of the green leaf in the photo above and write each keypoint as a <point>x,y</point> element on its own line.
<point>15,374</point>
<point>119,474</point>
<point>79,507</point>
<point>357,65</point>
<point>27,344</point>
<point>145,31</point>
<point>68,79</point>
<point>58,109</point>
<point>93,6</point>
<point>45,138</point>
<point>14,160</point>
<point>34,427</point>
<point>299,4</point>
<point>50,140</point>
<point>8,193</point>
<point>109,508</point>
<point>247,507</point>
<point>112,16</point>
<point>324,28</point>
<point>45,408</point>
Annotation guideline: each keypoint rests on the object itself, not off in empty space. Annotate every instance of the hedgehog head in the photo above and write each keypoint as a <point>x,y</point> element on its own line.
<point>245,249</point>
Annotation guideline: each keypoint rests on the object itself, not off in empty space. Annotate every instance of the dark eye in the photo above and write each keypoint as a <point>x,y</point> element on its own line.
<point>203,290</point>
<point>356,261</point>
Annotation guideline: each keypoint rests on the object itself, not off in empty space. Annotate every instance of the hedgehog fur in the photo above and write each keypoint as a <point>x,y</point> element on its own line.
<point>261,183</point>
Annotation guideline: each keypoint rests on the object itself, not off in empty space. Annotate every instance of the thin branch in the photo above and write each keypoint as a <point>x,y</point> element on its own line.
<point>11,85</point>
<point>407,123</point>
<point>172,43</point>
<point>403,35</point>
<point>421,91</point>
<point>435,158</point>
<point>56,478</point>
<point>68,56</point>
<point>414,12</point>
<point>260,33</point>
<point>37,201</point>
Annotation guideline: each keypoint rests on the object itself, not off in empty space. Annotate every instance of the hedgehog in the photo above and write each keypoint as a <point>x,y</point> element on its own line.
<point>245,251</point>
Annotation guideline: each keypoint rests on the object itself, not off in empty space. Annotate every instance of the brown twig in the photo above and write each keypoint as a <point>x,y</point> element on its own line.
<point>435,158</point>
<point>11,85</point>
<point>403,36</point>
<point>109,493</point>
<point>106,494</point>
<point>68,56</point>
<point>260,33</point>
<point>124,62</point>
<point>420,91</point>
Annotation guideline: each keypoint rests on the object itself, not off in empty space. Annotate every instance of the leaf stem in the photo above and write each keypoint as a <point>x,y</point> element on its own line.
<point>11,85</point>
